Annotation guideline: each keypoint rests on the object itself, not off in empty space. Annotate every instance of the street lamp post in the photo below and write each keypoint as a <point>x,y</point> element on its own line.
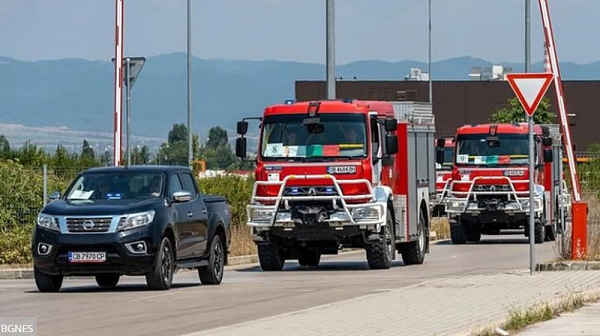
<point>330,49</point>
<point>429,66</point>
<point>189,80</point>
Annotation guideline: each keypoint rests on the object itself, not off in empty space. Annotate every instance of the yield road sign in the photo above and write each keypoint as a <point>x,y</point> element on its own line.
<point>530,88</point>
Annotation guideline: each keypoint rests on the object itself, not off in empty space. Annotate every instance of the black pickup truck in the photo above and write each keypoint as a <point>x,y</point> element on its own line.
<point>136,220</point>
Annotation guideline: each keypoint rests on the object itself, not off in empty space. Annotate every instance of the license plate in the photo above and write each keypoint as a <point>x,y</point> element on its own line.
<point>341,170</point>
<point>87,257</point>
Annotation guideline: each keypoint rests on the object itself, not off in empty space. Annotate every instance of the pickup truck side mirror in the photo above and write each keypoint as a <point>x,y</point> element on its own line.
<point>548,155</point>
<point>240,147</point>
<point>54,196</point>
<point>182,196</point>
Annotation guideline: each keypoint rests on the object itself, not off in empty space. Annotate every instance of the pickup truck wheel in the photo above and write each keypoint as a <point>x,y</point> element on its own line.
<point>413,253</point>
<point>309,258</point>
<point>161,275</point>
<point>270,257</point>
<point>380,254</point>
<point>213,273</point>
<point>458,233</point>
<point>46,282</point>
<point>107,280</point>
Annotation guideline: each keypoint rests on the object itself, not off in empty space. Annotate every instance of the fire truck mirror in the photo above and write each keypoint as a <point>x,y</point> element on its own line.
<point>439,156</point>
<point>242,127</point>
<point>441,142</point>
<point>548,155</point>
<point>391,144</point>
<point>391,125</point>
<point>240,147</point>
<point>547,141</point>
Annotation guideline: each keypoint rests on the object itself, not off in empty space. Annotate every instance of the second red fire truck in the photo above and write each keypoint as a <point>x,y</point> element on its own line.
<point>489,187</point>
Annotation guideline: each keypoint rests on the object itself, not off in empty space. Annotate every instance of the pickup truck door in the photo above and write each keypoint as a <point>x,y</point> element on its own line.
<point>184,221</point>
<point>198,239</point>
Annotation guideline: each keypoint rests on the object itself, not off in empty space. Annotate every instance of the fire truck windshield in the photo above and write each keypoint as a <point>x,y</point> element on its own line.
<point>502,149</point>
<point>339,135</point>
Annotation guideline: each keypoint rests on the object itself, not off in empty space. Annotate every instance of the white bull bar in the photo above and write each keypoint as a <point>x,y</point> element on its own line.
<point>348,219</point>
<point>457,202</point>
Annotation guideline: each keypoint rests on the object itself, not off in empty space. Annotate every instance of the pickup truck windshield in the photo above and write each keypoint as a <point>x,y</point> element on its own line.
<point>334,136</point>
<point>114,186</point>
<point>502,149</point>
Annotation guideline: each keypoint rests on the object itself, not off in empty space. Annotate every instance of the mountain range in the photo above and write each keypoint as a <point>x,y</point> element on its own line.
<point>76,95</point>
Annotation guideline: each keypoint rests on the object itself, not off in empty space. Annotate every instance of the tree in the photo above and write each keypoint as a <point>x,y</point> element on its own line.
<point>5,151</point>
<point>175,150</point>
<point>217,137</point>
<point>514,112</point>
<point>178,134</point>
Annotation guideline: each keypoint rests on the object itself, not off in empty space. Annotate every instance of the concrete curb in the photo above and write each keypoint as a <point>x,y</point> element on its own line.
<point>568,266</point>
<point>12,274</point>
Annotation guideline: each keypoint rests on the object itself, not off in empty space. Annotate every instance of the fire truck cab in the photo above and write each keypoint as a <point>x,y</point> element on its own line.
<point>489,187</point>
<point>342,173</point>
<point>442,174</point>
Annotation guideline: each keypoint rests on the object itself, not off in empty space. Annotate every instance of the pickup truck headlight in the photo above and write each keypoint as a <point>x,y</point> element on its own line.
<point>47,222</point>
<point>135,220</point>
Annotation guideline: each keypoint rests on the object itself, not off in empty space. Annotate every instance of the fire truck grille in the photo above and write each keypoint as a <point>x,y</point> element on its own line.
<point>491,187</point>
<point>310,191</point>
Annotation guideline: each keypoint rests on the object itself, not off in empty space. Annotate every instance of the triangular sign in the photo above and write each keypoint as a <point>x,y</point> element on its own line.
<point>530,88</point>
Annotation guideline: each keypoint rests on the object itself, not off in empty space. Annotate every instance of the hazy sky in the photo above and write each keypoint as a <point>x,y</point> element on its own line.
<point>295,29</point>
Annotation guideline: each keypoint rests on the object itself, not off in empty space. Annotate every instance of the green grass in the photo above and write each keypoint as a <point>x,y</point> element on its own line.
<point>519,318</point>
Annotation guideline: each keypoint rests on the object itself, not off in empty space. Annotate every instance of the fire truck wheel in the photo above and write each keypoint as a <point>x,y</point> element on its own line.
<point>380,254</point>
<point>457,232</point>
<point>413,253</point>
<point>539,232</point>
<point>309,258</point>
<point>270,257</point>
<point>473,236</point>
<point>550,234</point>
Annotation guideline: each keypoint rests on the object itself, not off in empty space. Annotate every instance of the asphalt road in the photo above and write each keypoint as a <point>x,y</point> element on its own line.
<point>247,293</point>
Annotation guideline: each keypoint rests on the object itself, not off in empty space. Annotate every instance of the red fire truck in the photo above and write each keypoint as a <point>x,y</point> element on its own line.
<point>342,173</point>
<point>489,187</point>
<point>442,175</point>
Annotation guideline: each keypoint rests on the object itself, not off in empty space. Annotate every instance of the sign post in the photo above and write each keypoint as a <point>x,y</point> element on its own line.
<point>530,89</point>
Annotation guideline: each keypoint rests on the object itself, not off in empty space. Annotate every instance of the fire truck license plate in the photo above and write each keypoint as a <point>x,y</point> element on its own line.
<point>341,169</point>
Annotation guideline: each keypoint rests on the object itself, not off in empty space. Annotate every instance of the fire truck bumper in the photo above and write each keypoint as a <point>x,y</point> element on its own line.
<point>349,221</point>
<point>459,206</point>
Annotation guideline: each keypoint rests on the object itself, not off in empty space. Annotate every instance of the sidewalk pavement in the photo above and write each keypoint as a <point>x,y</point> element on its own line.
<point>451,306</point>
<point>583,321</point>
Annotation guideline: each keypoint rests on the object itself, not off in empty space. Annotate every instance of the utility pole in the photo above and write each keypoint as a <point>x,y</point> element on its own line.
<point>128,84</point>
<point>330,36</point>
<point>189,80</point>
<point>527,36</point>
<point>429,67</point>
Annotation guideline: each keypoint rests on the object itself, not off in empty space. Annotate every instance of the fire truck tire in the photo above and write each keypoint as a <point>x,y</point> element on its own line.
<point>458,233</point>
<point>380,254</point>
<point>539,234</point>
<point>309,258</point>
<point>413,253</point>
<point>473,236</point>
<point>550,234</point>
<point>269,257</point>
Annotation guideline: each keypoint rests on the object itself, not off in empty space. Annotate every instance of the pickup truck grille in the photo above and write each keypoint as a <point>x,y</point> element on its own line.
<point>491,187</point>
<point>88,225</point>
